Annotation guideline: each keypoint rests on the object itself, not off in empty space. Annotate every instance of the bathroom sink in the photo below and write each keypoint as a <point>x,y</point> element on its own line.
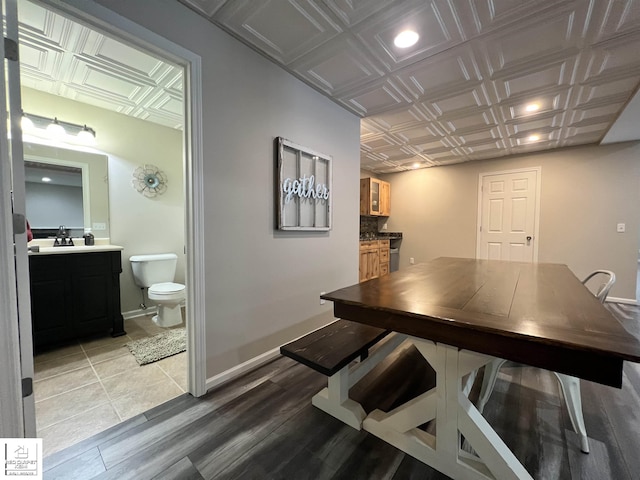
<point>76,249</point>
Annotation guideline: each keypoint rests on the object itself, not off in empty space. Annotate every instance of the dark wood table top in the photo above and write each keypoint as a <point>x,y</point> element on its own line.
<point>539,314</point>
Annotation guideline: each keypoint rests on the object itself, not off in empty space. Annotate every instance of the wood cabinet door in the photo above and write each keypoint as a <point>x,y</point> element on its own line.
<point>364,265</point>
<point>374,264</point>
<point>385,199</point>
<point>384,269</point>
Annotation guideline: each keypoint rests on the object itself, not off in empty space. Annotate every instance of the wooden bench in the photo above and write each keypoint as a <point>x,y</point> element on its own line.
<point>330,350</point>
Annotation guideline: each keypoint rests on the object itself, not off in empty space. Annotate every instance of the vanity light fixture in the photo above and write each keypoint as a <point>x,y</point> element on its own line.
<point>60,130</point>
<point>406,39</point>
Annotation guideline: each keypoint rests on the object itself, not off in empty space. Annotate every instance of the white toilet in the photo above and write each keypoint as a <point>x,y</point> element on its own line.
<point>156,272</point>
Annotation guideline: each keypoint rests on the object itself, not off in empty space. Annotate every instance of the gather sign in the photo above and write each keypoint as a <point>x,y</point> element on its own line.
<point>304,187</point>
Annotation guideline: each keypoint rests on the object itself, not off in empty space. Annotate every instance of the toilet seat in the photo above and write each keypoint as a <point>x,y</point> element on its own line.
<point>166,288</point>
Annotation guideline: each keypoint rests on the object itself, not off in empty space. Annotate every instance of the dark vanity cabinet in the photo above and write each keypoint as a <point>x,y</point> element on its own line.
<point>74,295</point>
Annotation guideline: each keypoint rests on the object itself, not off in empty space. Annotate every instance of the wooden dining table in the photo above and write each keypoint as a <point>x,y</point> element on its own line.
<point>463,313</point>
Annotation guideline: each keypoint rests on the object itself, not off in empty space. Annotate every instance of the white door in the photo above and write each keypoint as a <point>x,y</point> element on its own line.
<point>508,215</point>
<point>17,407</point>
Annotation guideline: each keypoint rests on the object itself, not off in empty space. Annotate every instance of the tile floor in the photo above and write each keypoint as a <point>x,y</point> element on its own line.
<point>90,385</point>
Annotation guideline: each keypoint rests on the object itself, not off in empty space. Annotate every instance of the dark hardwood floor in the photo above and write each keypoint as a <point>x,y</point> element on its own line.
<point>262,426</point>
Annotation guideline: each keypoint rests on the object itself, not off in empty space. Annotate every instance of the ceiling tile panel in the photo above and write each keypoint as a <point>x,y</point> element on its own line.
<point>378,142</point>
<point>352,12</point>
<point>453,70</point>
<point>433,20</point>
<point>205,7</point>
<point>533,81</point>
<point>618,57</point>
<point>532,125</point>
<point>285,29</point>
<point>380,97</point>
<point>396,120</point>
<point>607,92</point>
<point>484,16</point>
<point>472,120</point>
<point>460,102</point>
<point>339,66</point>
<point>536,39</point>
<point>615,17</point>
<point>87,77</point>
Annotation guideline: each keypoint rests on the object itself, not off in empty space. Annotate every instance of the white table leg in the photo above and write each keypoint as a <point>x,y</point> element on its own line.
<point>454,414</point>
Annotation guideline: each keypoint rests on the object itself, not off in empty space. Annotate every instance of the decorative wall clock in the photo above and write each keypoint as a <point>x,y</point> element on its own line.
<point>149,180</point>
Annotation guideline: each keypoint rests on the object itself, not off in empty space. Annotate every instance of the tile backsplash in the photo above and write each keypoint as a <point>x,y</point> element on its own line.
<point>368,226</point>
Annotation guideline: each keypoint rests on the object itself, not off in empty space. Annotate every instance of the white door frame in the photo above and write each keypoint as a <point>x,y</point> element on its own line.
<point>536,219</point>
<point>108,21</point>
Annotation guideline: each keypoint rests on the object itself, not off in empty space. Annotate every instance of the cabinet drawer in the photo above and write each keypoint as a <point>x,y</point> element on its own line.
<point>384,255</point>
<point>369,245</point>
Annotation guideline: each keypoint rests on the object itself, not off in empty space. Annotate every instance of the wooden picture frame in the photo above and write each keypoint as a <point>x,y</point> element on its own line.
<point>304,194</point>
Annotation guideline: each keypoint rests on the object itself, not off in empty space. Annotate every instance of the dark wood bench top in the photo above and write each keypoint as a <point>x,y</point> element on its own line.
<point>331,348</point>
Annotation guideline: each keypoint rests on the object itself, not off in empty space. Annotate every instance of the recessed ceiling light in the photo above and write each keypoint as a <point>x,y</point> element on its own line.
<point>532,107</point>
<point>533,138</point>
<point>406,39</point>
<point>416,165</point>
<point>46,179</point>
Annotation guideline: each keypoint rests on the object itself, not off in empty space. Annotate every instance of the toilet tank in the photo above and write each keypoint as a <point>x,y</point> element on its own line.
<point>151,269</point>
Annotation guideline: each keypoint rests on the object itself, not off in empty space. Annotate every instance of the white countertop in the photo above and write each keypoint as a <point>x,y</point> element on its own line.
<point>47,248</point>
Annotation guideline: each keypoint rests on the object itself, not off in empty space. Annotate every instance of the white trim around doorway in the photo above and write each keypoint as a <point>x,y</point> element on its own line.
<point>108,21</point>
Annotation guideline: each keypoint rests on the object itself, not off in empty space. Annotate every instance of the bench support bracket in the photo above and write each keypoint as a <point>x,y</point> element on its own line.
<point>335,400</point>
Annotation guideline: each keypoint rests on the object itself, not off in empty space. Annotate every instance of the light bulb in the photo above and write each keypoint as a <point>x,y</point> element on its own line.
<point>532,107</point>
<point>406,39</point>
<point>87,136</point>
<point>533,138</point>
<point>56,130</point>
<point>27,124</point>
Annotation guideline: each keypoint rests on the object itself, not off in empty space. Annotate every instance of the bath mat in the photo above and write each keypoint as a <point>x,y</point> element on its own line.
<point>163,345</point>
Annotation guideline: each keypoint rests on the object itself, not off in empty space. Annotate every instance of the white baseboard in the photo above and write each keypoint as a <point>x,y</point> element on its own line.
<point>139,313</point>
<point>628,301</point>
<point>251,364</point>
<point>238,370</point>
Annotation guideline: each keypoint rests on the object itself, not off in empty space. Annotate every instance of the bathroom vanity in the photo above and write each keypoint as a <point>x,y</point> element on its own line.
<point>75,292</point>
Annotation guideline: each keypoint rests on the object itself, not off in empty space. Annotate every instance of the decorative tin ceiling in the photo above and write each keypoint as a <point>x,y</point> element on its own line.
<point>460,93</point>
<point>65,58</point>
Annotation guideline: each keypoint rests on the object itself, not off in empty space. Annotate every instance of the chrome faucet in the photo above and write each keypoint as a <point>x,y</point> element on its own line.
<point>62,238</point>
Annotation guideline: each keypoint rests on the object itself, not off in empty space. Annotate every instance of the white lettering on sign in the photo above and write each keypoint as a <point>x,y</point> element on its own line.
<point>304,187</point>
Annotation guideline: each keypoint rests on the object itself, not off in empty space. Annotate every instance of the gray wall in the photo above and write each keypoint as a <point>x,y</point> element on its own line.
<point>262,286</point>
<point>585,192</point>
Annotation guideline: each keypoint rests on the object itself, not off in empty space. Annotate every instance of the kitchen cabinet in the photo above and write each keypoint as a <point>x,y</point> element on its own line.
<point>374,259</point>
<point>375,197</point>
<point>75,295</point>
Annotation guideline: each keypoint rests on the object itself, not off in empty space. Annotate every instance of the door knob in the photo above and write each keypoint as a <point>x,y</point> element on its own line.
<point>529,237</point>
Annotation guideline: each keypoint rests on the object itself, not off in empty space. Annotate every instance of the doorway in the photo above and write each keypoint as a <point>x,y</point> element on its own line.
<point>508,215</point>
<point>135,35</point>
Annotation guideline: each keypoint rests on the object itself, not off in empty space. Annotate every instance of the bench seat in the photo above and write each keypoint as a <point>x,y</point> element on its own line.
<point>330,351</point>
<point>333,347</point>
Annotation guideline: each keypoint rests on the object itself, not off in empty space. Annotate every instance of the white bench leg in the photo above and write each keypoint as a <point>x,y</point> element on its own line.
<point>335,400</point>
<point>571,392</point>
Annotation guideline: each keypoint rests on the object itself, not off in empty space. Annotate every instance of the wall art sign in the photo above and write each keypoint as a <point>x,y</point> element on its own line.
<point>304,188</point>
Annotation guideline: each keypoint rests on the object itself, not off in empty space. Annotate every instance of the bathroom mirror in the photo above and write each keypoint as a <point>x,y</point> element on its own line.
<point>76,193</point>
